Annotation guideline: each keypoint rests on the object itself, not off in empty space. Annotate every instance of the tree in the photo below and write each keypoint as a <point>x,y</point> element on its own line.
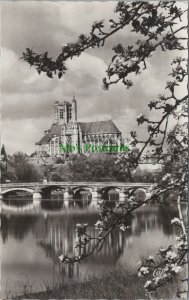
<point>4,158</point>
<point>158,24</point>
<point>3,153</point>
<point>18,168</point>
<point>144,176</point>
<point>25,172</point>
<point>94,167</point>
<point>7,166</point>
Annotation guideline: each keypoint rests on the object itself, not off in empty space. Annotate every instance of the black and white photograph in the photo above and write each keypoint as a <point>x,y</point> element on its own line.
<point>94,149</point>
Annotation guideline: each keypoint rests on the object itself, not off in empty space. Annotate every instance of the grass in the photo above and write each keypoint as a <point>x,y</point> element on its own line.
<point>116,283</point>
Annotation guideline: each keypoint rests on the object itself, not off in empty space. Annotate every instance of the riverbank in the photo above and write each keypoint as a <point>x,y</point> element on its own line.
<point>117,283</point>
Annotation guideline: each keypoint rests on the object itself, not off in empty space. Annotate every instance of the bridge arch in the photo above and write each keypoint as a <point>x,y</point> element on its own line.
<point>140,194</point>
<point>46,190</point>
<point>82,195</point>
<point>110,187</point>
<point>31,191</point>
<point>106,191</point>
<point>82,188</point>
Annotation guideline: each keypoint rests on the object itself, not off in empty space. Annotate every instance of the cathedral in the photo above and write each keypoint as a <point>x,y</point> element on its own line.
<point>66,130</point>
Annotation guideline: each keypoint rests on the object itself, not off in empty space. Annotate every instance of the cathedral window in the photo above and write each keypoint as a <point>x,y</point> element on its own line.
<point>69,112</point>
<point>61,113</point>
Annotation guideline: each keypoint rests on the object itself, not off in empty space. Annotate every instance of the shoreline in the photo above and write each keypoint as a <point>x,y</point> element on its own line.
<point>116,283</point>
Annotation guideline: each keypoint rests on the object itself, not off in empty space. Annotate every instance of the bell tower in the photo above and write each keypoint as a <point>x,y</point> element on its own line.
<point>62,112</point>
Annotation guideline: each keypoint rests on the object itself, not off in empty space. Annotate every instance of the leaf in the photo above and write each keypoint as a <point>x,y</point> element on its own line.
<point>49,74</point>
<point>60,75</point>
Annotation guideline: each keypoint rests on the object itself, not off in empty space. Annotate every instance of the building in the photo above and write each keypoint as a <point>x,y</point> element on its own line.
<point>68,135</point>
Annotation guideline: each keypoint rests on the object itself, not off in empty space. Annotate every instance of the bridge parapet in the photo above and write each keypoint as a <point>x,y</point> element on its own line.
<point>77,183</point>
<point>96,188</point>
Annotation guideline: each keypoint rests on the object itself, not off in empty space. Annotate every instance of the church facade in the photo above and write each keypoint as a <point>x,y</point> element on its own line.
<point>66,130</point>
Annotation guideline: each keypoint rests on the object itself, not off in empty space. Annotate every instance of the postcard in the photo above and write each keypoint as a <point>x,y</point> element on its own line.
<point>94,149</point>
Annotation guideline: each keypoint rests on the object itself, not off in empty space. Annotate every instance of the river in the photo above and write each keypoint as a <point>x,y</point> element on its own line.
<point>32,240</point>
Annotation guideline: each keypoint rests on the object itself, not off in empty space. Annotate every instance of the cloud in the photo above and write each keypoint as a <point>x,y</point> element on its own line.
<point>48,25</point>
<point>87,64</point>
<point>21,135</point>
<point>17,77</point>
<point>31,96</point>
<point>28,98</point>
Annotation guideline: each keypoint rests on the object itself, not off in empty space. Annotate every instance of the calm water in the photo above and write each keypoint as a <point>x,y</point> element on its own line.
<point>33,236</point>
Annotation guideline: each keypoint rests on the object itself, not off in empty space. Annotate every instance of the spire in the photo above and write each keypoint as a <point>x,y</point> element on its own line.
<point>73,96</point>
<point>74,108</point>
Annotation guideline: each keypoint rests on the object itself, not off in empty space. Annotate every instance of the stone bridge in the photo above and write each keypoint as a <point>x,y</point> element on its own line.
<point>71,189</point>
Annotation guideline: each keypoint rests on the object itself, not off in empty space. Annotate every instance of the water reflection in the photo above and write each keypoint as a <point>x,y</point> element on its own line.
<point>17,202</point>
<point>32,242</point>
<point>52,205</point>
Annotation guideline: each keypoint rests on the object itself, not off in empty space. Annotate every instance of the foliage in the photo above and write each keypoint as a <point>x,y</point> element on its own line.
<point>94,168</point>
<point>159,24</point>
<point>145,176</point>
<point>19,169</point>
<point>60,160</point>
<point>27,172</point>
<point>46,170</point>
<point>3,153</point>
<point>170,265</point>
<point>155,22</point>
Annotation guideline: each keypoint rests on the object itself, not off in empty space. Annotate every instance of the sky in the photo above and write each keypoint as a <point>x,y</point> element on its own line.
<point>28,98</point>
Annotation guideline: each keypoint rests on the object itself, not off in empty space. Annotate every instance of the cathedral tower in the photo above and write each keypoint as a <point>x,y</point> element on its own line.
<point>62,112</point>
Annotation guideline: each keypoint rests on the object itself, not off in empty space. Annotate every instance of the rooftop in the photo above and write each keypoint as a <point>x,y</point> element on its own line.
<point>97,127</point>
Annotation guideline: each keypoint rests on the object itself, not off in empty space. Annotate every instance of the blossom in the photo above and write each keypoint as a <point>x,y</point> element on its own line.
<point>61,257</point>
<point>171,255</point>
<point>100,201</point>
<point>122,227</point>
<point>151,258</point>
<point>166,177</point>
<point>157,279</point>
<point>175,220</point>
<point>147,284</point>
<point>175,268</point>
<point>143,271</point>
<point>131,199</point>
<point>162,250</point>
<point>98,225</point>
